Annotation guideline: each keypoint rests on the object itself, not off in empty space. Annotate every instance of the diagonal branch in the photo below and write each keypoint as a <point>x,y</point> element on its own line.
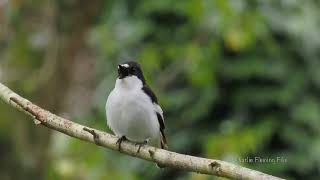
<point>160,156</point>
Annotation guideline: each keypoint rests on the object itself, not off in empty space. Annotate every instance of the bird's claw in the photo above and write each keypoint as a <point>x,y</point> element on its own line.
<point>140,145</point>
<point>119,141</point>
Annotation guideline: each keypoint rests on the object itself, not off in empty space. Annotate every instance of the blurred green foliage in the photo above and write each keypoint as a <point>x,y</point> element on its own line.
<point>236,79</point>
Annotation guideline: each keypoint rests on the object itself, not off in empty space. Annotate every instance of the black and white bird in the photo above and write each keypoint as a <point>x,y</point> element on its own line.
<point>132,109</point>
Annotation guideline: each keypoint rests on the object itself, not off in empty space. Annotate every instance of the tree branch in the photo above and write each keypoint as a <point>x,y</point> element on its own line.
<point>160,156</point>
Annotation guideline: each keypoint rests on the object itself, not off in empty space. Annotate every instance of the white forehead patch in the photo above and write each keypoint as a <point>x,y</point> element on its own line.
<point>125,65</point>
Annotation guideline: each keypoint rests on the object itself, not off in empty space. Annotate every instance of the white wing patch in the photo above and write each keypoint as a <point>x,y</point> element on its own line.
<point>158,109</point>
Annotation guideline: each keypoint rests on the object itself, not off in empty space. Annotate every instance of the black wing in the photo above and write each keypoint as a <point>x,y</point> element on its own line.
<point>154,100</point>
<point>150,93</point>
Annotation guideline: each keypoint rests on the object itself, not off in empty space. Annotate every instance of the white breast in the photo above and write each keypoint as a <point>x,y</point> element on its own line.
<point>131,113</point>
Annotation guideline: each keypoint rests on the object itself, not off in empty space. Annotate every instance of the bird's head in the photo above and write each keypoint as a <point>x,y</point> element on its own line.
<point>129,69</point>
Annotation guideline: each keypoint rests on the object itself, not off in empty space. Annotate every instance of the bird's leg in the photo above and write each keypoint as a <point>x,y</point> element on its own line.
<point>119,141</point>
<point>141,144</point>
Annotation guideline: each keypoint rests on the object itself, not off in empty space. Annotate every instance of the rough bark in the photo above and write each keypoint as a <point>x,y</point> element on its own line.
<point>160,156</point>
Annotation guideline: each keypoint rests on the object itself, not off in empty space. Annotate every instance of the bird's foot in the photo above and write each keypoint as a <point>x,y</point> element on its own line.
<point>119,141</point>
<point>141,144</point>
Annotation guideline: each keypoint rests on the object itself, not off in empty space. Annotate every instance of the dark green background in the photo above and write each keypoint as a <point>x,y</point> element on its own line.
<point>236,79</point>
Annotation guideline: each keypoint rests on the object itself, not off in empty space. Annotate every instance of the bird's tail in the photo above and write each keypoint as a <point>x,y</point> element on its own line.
<point>163,145</point>
<point>163,141</point>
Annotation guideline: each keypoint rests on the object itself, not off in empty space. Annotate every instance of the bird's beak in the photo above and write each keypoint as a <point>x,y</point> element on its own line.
<point>122,71</point>
<point>119,66</point>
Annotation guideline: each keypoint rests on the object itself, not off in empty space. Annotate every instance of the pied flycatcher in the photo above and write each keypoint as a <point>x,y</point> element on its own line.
<point>132,109</point>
